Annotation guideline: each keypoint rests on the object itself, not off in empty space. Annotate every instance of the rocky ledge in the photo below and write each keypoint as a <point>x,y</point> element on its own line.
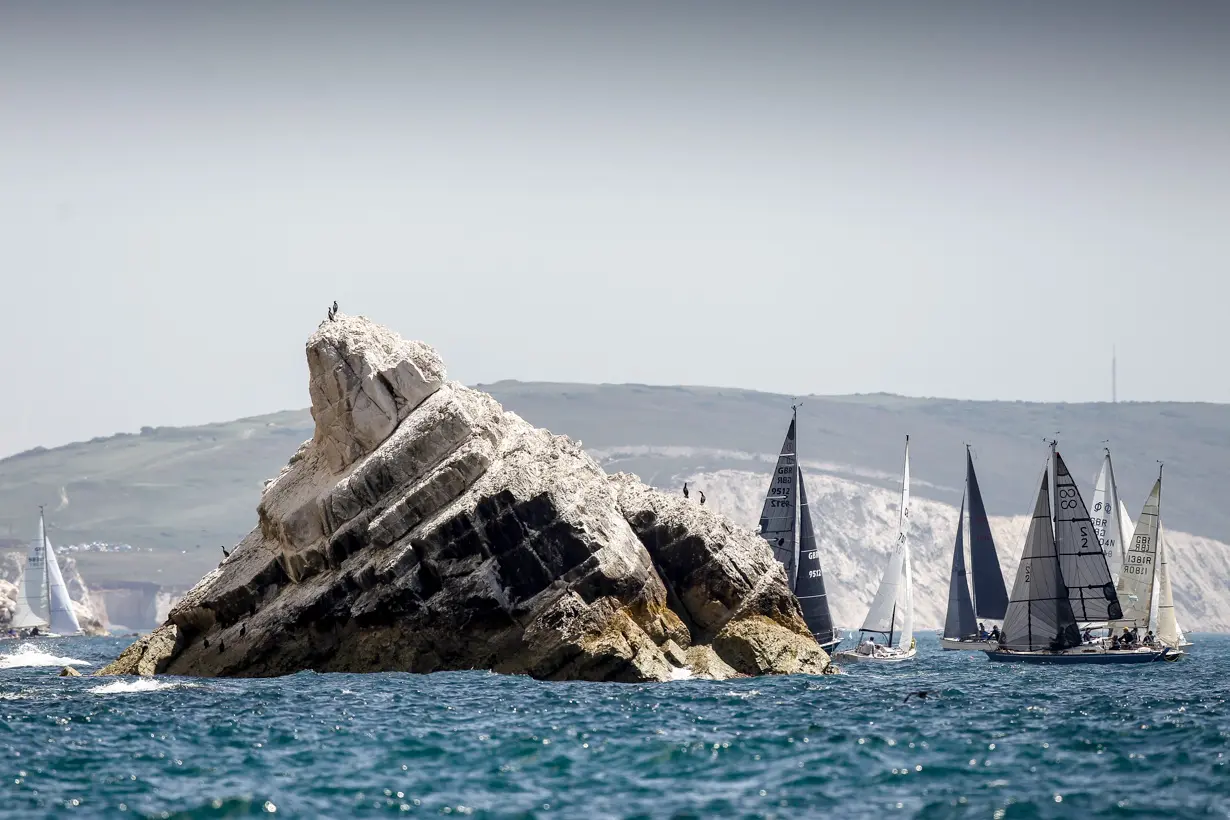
<point>424,528</point>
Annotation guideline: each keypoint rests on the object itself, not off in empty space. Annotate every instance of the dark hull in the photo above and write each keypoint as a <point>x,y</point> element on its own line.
<point>1102,657</point>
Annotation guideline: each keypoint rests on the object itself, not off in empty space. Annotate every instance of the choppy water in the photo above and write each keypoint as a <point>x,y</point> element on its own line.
<point>999,741</point>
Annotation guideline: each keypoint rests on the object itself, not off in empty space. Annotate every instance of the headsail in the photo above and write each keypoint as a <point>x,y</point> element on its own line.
<point>883,615</point>
<point>960,621</point>
<point>1081,561</point>
<point>63,619</point>
<point>809,588</point>
<point>1168,631</point>
<point>1039,615</point>
<point>777,516</point>
<point>1135,587</point>
<point>1106,519</point>
<point>990,595</point>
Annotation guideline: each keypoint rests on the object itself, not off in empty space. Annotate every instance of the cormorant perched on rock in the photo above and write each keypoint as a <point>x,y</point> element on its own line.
<point>205,642</point>
<point>225,554</point>
<point>702,496</point>
<point>221,647</point>
<point>243,630</point>
<point>685,489</point>
<point>333,311</point>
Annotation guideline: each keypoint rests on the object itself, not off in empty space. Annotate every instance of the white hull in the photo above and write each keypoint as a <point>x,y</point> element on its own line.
<point>883,656</point>
<point>952,644</point>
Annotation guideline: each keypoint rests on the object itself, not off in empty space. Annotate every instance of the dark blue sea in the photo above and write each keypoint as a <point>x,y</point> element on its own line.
<point>993,741</point>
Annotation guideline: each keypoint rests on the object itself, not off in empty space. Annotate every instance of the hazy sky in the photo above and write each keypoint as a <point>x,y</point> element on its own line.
<point>972,200</point>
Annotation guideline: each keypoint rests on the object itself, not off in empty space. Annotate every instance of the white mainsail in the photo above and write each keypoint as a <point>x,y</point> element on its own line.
<point>1139,566</point>
<point>31,600</point>
<point>895,585</point>
<point>1106,519</point>
<point>61,615</point>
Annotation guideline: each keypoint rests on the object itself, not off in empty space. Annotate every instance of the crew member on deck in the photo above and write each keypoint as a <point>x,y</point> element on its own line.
<point>982,632</point>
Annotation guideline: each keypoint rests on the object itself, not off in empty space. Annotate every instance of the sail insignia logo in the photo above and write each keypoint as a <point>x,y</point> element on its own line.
<point>1097,506</point>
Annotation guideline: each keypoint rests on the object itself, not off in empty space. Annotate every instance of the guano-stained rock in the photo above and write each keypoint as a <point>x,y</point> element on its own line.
<point>424,528</point>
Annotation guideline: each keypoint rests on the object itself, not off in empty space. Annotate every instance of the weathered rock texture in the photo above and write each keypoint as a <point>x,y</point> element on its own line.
<point>423,528</point>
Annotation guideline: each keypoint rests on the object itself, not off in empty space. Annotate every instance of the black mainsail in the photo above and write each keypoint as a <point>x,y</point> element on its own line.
<point>777,516</point>
<point>990,595</point>
<point>809,585</point>
<point>1039,615</point>
<point>960,623</point>
<point>1084,567</point>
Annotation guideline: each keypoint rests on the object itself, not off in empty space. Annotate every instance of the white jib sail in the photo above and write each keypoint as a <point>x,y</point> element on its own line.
<point>884,616</point>
<point>1105,516</point>
<point>62,617</point>
<point>1168,631</point>
<point>1139,566</point>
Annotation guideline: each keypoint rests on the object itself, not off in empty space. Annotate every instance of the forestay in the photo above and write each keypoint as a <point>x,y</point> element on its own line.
<point>1039,615</point>
<point>1135,587</point>
<point>809,588</point>
<point>1081,561</point>
<point>777,517</point>
<point>990,595</point>
<point>960,622</point>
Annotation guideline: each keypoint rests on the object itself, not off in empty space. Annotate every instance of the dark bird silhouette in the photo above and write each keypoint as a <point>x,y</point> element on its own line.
<point>225,554</point>
<point>685,489</point>
<point>334,307</point>
<point>702,496</point>
<point>205,642</point>
<point>243,630</point>
<point>221,647</point>
<point>920,695</point>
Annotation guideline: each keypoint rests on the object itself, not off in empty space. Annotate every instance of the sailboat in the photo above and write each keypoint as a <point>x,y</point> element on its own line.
<point>785,522</point>
<point>1063,580</point>
<point>893,607</point>
<point>990,598</point>
<point>44,591</point>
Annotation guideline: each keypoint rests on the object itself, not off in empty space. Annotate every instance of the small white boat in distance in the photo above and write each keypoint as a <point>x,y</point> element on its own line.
<point>894,597</point>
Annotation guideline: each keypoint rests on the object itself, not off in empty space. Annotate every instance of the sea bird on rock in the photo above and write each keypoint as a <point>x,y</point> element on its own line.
<point>685,489</point>
<point>225,554</point>
<point>702,497</point>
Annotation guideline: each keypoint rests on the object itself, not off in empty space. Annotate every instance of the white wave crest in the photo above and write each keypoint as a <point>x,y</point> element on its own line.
<point>123,687</point>
<point>29,654</point>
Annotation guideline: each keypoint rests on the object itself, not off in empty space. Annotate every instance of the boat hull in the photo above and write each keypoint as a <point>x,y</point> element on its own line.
<point>897,656</point>
<point>955,645</point>
<point>830,646</point>
<point>1084,655</point>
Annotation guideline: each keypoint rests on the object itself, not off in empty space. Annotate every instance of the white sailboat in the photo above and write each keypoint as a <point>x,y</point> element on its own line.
<point>892,609</point>
<point>44,601</point>
<point>1166,627</point>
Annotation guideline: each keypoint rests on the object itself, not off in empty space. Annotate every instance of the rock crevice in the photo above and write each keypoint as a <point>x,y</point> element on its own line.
<point>424,528</point>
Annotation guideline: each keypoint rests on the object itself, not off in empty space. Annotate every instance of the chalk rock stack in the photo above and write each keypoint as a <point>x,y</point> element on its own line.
<point>424,528</point>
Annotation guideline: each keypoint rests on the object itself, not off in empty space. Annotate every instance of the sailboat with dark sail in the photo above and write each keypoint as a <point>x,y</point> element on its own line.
<point>785,522</point>
<point>1063,580</point>
<point>968,613</point>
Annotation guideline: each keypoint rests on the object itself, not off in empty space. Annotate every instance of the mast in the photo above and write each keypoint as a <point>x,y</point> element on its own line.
<point>973,588</point>
<point>794,498</point>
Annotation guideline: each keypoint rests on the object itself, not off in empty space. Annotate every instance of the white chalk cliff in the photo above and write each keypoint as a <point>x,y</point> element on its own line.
<point>424,528</point>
